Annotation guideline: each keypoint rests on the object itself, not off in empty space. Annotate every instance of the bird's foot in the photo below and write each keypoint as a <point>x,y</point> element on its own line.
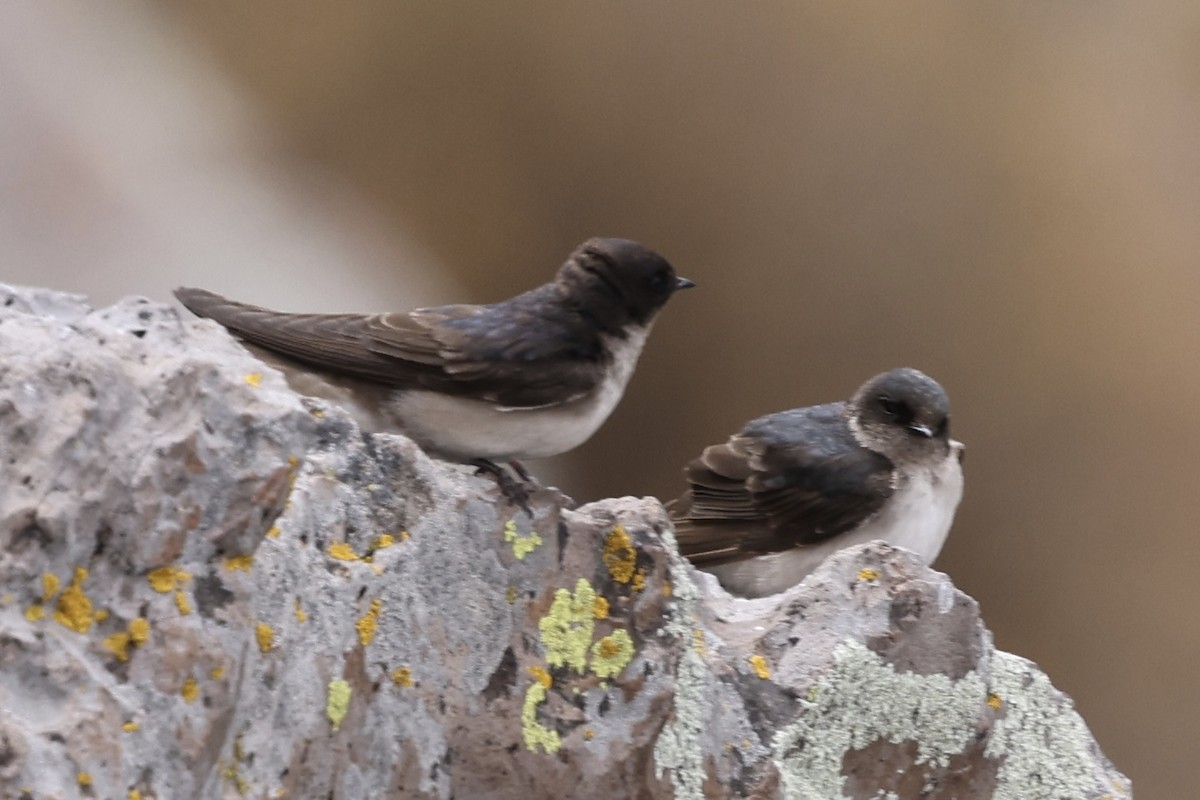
<point>522,473</point>
<point>515,491</point>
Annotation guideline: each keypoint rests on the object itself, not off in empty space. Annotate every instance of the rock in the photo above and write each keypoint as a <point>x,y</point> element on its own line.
<point>213,588</point>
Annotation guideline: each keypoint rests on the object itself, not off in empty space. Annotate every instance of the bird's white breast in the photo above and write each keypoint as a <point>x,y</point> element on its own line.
<point>465,429</point>
<point>917,517</point>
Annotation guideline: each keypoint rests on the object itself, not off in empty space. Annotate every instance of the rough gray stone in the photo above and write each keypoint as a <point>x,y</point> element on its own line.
<point>215,588</point>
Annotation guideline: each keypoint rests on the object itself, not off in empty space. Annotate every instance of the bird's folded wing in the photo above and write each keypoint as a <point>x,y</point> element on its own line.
<point>748,497</point>
<point>480,352</point>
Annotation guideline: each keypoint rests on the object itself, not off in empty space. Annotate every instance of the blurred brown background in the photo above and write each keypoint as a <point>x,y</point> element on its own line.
<point>1004,194</point>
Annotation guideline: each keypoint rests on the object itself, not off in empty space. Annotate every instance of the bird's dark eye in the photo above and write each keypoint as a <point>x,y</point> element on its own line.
<point>896,410</point>
<point>943,427</point>
<point>660,280</point>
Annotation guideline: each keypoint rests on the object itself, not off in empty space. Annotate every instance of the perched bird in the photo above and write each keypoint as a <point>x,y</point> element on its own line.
<point>528,377</point>
<point>765,508</point>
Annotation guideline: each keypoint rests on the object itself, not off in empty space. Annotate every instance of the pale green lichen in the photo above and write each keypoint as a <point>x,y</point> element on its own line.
<point>612,653</point>
<point>863,699</point>
<point>521,545</point>
<point>566,629</point>
<point>337,702</point>
<point>678,749</point>
<point>566,632</point>
<point>1042,745</point>
<point>536,734</point>
<point>1045,745</point>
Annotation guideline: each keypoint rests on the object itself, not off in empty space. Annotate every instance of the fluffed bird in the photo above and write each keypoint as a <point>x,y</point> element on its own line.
<point>765,508</point>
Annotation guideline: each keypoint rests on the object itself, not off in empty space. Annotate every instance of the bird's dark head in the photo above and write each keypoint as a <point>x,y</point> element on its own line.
<point>903,414</point>
<point>619,282</point>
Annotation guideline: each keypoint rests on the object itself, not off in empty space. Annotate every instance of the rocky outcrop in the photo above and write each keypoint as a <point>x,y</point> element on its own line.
<point>213,587</point>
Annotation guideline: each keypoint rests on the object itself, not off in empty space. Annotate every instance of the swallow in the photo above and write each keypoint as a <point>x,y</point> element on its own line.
<point>764,509</point>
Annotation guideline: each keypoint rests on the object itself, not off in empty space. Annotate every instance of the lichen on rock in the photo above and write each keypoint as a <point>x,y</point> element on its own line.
<point>248,595</point>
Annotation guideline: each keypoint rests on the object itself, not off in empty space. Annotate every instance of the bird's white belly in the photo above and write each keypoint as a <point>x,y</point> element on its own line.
<point>917,517</point>
<point>464,429</point>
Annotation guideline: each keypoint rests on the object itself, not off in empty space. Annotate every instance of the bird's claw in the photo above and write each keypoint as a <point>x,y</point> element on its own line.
<point>515,491</point>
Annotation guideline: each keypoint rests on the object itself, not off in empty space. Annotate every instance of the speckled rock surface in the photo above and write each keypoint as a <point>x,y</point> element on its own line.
<point>213,588</point>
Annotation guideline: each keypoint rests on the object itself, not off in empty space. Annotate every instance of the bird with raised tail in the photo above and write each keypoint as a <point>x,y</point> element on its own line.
<point>527,377</point>
<point>764,509</point>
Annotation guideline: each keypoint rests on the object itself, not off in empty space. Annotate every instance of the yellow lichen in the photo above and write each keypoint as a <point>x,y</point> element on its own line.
<point>337,702</point>
<point>384,540</point>
<point>242,563</point>
<point>342,552</point>
<point>35,612</point>
<point>368,623</point>
<point>510,594</point>
<point>190,690</point>
<point>759,665</point>
<point>234,776</point>
<point>994,702</point>
<point>100,615</point>
<point>166,579</point>
<point>264,634</point>
<point>273,532</point>
<point>50,586</point>
<point>639,580</point>
<point>84,779</point>
<point>139,630</point>
<point>566,629</point>
<point>293,474</point>
<point>405,536</point>
<point>134,794</point>
<point>74,608</point>
<point>868,574</point>
<point>521,545</point>
<point>301,614</point>
<point>600,609</point>
<point>611,654</point>
<point>588,734</point>
<point>217,673</point>
<point>666,589</point>
<point>605,648</point>
<point>131,727</point>
<point>253,379</point>
<point>542,676</point>
<point>619,555</point>
<point>402,676</point>
<point>698,641</point>
<point>118,645</point>
<point>535,733</point>
<point>182,603</point>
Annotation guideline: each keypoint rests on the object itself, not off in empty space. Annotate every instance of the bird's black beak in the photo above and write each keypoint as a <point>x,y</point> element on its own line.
<point>923,430</point>
<point>683,283</point>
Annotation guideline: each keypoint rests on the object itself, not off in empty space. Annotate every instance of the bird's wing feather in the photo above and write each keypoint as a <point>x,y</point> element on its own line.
<point>786,480</point>
<point>524,353</point>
